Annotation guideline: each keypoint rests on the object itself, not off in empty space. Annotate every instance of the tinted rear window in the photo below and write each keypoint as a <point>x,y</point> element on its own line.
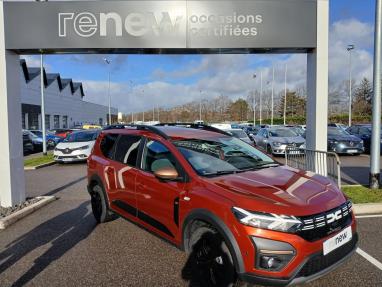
<point>127,149</point>
<point>107,144</point>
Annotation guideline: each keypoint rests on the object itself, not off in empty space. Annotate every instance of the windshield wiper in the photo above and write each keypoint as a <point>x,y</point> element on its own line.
<point>222,172</point>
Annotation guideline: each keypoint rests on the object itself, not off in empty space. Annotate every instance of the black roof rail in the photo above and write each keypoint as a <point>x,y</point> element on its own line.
<point>196,126</point>
<point>138,127</point>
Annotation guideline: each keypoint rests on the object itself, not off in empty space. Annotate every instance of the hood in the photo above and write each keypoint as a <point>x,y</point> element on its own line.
<point>73,145</point>
<point>344,138</point>
<point>287,140</point>
<point>280,190</point>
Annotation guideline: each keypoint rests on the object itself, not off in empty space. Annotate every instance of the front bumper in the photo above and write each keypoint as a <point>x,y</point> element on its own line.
<point>280,150</point>
<point>328,263</point>
<point>346,149</point>
<point>75,156</point>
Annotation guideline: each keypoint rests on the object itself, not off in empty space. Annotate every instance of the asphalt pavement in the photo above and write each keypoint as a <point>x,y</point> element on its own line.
<point>61,244</point>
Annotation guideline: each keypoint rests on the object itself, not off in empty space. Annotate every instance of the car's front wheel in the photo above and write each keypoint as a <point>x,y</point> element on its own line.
<point>100,207</point>
<point>210,260</point>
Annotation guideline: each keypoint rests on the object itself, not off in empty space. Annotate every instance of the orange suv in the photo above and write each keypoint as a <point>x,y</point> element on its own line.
<point>241,215</point>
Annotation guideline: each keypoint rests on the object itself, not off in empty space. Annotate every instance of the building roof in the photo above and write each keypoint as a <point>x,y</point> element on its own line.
<point>32,72</point>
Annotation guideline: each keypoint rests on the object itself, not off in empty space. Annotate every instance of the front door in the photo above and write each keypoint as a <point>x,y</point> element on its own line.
<point>158,200</point>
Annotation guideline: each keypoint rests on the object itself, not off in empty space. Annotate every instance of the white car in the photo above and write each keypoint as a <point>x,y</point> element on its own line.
<point>77,146</point>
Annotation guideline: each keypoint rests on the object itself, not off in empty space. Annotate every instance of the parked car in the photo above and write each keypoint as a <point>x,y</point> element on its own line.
<point>251,131</point>
<point>89,127</point>
<point>76,146</point>
<point>341,142</point>
<point>276,140</point>
<point>62,133</point>
<point>36,141</point>
<point>51,139</point>
<point>240,134</point>
<point>27,142</point>
<point>338,125</point>
<point>231,207</point>
<point>363,131</point>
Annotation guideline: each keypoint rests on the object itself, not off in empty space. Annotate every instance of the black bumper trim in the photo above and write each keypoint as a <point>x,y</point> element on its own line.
<point>274,281</point>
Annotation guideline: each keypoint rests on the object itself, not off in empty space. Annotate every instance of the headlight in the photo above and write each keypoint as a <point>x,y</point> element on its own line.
<point>84,147</point>
<point>270,221</point>
<point>333,142</point>
<point>277,143</point>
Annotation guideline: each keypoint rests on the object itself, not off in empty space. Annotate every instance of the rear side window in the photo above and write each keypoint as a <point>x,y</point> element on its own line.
<point>127,150</point>
<point>107,145</point>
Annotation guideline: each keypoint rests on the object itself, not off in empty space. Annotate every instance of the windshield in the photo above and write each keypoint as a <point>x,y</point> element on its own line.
<point>238,134</point>
<point>81,137</point>
<point>283,133</point>
<point>337,132</point>
<point>222,155</point>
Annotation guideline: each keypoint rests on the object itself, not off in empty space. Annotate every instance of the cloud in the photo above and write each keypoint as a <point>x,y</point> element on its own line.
<point>232,75</point>
<point>34,61</point>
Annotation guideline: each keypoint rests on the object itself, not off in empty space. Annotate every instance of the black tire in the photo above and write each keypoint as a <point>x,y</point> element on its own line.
<point>100,208</point>
<point>210,262</point>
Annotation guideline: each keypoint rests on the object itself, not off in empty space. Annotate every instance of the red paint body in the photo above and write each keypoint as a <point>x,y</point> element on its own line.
<point>279,190</point>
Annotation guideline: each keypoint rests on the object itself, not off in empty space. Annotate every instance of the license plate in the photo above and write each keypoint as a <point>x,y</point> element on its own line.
<point>338,240</point>
<point>67,159</point>
<point>352,151</point>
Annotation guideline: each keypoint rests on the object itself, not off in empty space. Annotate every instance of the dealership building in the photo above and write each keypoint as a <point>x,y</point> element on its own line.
<point>65,106</point>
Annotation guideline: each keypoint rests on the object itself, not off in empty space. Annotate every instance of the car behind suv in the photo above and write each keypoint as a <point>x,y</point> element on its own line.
<point>239,214</point>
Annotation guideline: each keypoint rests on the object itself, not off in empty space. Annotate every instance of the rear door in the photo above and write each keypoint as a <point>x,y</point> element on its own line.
<point>125,163</point>
<point>158,200</point>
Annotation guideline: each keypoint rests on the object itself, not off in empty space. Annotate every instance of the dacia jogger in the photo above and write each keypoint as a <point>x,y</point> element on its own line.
<point>241,215</point>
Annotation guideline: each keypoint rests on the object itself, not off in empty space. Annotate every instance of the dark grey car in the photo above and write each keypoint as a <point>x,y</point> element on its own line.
<point>342,142</point>
<point>275,140</point>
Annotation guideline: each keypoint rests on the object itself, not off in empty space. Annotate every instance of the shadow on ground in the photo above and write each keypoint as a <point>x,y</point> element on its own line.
<point>62,232</point>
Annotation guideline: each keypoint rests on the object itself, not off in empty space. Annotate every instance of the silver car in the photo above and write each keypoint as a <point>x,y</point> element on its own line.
<point>275,140</point>
<point>240,134</point>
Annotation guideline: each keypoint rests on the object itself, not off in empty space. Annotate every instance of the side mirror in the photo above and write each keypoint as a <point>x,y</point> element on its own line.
<point>166,173</point>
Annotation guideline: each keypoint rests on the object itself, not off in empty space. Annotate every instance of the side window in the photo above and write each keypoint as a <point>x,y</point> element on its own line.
<point>127,149</point>
<point>157,156</point>
<point>107,145</point>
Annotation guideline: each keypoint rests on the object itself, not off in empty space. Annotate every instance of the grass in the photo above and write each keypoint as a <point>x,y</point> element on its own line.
<point>362,194</point>
<point>39,160</point>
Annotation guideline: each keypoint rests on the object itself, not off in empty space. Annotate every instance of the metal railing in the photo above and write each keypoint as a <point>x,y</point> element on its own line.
<point>321,162</point>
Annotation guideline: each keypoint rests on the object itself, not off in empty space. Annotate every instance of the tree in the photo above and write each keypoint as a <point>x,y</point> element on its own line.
<point>295,105</point>
<point>238,110</point>
<point>362,100</point>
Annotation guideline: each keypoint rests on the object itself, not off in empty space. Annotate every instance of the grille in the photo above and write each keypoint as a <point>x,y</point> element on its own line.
<point>321,225</point>
<point>319,262</point>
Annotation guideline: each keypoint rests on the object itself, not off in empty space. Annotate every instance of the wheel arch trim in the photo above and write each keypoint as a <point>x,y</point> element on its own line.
<point>221,227</point>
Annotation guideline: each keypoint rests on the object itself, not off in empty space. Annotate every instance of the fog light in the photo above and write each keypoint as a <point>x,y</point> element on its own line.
<point>269,262</point>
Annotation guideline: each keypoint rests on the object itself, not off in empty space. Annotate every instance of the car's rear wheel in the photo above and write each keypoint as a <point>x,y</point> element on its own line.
<point>100,207</point>
<point>211,261</point>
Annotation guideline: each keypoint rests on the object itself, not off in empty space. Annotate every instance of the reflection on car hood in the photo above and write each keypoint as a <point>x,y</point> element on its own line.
<point>344,138</point>
<point>281,190</point>
<point>287,140</point>
<point>73,145</point>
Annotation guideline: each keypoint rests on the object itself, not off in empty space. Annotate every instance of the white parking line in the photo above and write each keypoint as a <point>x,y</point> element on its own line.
<point>369,216</point>
<point>369,258</point>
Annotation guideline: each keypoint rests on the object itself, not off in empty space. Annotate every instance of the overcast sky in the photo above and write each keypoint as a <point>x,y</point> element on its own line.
<point>143,81</point>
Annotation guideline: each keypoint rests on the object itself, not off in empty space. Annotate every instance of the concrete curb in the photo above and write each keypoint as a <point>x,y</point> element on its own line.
<point>367,208</point>
<point>14,217</point>
<point>39,166</point>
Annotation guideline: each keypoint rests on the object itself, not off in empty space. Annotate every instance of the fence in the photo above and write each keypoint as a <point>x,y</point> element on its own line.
<point>322,162</point>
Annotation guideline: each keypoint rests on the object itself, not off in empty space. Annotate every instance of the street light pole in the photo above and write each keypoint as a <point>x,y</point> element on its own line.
<point>285,92</point>
<point>107,61</point>
<point>44,151</point>
<point>200,107</point>
<point>261,95</point>
<point>254,104</point>
<point>350,48</point>
<point>273,81</point>
<point>376,126</point>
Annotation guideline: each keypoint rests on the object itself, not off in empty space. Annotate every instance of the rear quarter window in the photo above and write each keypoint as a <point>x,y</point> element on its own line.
<point>107,145</point>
